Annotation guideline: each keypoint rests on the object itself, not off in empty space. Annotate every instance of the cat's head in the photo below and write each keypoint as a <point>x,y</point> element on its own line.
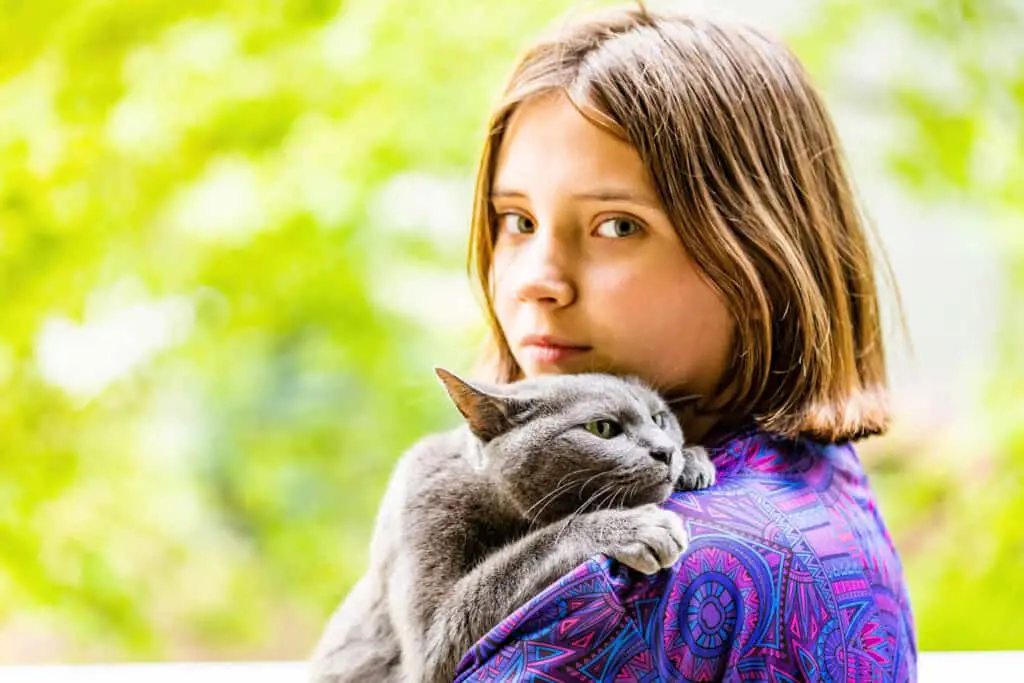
<point>562,443</point>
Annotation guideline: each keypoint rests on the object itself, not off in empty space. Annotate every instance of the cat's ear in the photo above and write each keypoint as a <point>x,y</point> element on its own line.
<point>487,413</point>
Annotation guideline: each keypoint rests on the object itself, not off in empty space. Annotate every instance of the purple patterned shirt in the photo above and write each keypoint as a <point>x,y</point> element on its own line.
<point>790,576</point>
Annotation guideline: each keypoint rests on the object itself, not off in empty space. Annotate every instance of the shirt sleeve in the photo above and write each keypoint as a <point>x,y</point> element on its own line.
<point>579,624</point>
<point>606,622</point>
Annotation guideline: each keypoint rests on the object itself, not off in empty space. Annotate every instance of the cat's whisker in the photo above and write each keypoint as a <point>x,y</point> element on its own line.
<point>583,505</point>
<point>594,503</point>
<point>545,500</point>
<point>571,474</point>
<point>558,488</point>
<point>550,497</point>
<point>623,493</point>
<point>589,499</point>
<point>612,495</point>
<point>609,491</point>
<point>632,492</point>
<point>584,487</point>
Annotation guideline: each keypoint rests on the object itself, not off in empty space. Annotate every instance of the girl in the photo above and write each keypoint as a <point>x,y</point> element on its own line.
<point>665,196</point>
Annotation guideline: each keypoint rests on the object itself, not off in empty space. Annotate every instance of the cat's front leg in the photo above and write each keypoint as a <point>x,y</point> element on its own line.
<point>646,538</point>
<point>698,470</point>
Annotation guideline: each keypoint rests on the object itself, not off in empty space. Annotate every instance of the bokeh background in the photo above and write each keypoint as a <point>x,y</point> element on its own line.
<point>232,246</point>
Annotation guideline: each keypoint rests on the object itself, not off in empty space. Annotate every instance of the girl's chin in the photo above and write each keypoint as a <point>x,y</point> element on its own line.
<point>540,364</point>
<point>542,369</point>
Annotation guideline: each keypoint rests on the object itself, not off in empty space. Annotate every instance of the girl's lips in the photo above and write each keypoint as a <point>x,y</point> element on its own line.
<point>545,340</point>
<point>547,350</point>
<point>552,355</point>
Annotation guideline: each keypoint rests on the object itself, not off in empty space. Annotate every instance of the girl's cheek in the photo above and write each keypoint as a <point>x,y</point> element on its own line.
<point>623,280</point>
<point>500,270</point>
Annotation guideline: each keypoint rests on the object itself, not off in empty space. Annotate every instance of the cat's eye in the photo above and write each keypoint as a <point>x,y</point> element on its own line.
<point>620,226</point>
<point>606,429</point>
<point>516,224</point>
<point>661,419</point>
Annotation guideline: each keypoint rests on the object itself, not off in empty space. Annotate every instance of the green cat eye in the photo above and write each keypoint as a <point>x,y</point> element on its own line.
<point>661,419</point>
<point>606,429</point>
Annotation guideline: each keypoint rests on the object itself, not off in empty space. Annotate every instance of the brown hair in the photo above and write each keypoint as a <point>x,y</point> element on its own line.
<point>747,164</point>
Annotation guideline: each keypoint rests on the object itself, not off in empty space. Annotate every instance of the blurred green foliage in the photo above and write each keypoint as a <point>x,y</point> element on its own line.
<point>210,355</point>
<point>954,498</point>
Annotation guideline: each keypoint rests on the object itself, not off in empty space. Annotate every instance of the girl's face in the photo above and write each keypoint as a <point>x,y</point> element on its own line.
<point>589,274</point>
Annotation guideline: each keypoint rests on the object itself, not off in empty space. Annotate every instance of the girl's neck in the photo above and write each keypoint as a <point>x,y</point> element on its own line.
<point>696,427</point>
<point>710,429</point>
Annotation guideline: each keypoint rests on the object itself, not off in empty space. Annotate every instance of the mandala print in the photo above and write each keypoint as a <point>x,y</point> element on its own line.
<point>790,576</point>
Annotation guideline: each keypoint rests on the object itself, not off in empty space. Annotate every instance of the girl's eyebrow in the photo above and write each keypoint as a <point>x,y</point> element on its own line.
<point>603,195</point>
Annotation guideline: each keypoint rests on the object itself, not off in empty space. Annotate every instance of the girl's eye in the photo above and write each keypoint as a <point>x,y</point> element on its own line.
<point>618,227</point>
<point>606,429</point>
<point>516,224</point>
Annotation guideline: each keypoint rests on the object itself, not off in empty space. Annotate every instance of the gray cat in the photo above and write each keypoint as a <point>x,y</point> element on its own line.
<point>546,473</point>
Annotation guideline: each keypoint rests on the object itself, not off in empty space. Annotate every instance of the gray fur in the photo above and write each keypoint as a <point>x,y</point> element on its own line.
<point>477,521</point>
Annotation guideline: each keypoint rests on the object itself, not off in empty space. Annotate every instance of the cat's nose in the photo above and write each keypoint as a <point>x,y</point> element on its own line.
<point>662,454</point>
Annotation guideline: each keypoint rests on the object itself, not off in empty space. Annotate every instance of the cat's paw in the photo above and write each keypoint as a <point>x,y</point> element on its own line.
<point>651,539</point>
<point>698,470</point>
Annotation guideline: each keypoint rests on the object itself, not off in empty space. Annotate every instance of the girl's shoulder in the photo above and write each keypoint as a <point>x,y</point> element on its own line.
<point>790,510</point>
<point>788,560</point>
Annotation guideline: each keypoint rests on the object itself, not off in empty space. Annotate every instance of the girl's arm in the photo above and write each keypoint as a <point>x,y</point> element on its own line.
<point>646,538</point>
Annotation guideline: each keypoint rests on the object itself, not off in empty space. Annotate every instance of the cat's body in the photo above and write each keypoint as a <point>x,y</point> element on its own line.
<point>477,521</point>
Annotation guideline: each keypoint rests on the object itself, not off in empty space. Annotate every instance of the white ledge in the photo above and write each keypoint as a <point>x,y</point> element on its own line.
<point>933,667</point>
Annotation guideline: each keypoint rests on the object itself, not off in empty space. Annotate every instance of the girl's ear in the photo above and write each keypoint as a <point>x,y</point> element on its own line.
<point>488,412</point>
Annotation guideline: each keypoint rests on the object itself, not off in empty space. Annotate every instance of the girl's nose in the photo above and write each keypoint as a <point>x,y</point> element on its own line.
<point>544,278</point>
<point>547,289</point>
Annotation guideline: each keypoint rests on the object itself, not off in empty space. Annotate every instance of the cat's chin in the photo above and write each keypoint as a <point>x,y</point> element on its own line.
<point>656,494</point>
<point>665,490</point>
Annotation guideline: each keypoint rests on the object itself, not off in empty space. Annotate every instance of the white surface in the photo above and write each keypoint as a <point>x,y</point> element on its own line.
<point>934,667</point>
<point>220,672</point>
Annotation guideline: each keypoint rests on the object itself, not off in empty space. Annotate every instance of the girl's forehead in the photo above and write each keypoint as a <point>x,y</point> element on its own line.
<point>548,142</point>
